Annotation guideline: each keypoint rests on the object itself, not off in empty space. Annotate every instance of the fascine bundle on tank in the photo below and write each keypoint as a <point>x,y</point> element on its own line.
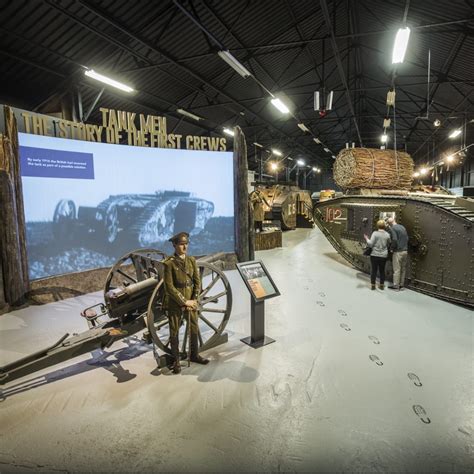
<point>373,168</point>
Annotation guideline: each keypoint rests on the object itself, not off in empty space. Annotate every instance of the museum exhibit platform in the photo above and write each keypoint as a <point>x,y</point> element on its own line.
<point>357,381</point>
<point>268,240</point>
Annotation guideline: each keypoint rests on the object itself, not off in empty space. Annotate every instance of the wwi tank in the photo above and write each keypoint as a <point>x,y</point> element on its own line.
<point>440,230</point>
<point>141,218</point>
<point>378,185</point>
<point>288,204</point>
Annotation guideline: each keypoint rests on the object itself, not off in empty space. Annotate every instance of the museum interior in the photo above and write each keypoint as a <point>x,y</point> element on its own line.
<point>236,236</point>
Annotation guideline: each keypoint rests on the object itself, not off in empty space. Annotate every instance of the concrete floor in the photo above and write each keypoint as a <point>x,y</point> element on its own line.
<point>331,394</point>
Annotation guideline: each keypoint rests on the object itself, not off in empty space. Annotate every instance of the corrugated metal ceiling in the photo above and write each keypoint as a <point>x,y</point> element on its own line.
<point>173,63</point>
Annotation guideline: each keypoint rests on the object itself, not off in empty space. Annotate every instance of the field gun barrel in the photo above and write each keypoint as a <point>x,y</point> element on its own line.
<point>134,297</point>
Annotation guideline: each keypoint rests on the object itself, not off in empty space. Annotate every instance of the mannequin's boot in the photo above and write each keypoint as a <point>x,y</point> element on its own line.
<point>174,343</point>
<point>195,357</point>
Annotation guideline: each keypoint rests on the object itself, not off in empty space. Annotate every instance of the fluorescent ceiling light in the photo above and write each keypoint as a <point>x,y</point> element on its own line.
<point>316,100</point>
<point>258,144</point>
<point>400,46</point>
<point>289,158</point>
<point>276,152</point>
<point>386,123</point>
<point>383,138</point>
<point>229,131</point>
<point>280,106</point>
<point>329,100</point>
<point>300,162</point>
<point>391,98</point>
<point>303,127</point>
<point>333,157</point>
<point>317,141</point>
<point>326,150</point>
<point>234,64</point>
<point>437,123</point>
<point>189,114</point>
<point>455,133</point>
<point>107,80</point>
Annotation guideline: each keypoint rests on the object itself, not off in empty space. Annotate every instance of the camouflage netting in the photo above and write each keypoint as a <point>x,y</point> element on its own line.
<point>373,168</point>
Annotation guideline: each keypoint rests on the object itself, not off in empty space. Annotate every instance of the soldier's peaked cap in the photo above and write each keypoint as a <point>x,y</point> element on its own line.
<point>180,238</point>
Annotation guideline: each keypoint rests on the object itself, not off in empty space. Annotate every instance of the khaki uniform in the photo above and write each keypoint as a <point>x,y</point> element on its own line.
<point>257,200</point>
<point>182,282</point>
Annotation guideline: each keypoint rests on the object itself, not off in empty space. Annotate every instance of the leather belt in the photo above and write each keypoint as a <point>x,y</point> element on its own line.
<point>183,285</point>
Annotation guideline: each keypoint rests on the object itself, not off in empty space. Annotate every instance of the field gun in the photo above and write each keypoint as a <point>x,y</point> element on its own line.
<point>133,296</point>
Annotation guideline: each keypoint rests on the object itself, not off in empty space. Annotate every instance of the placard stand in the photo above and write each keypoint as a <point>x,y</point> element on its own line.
<point>257,326</point>
<point>261,287</point>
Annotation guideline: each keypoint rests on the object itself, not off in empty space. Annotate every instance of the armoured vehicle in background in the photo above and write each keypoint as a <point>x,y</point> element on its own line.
<point>287,204</point>
<point>440,229</point>
<point>140,218</point>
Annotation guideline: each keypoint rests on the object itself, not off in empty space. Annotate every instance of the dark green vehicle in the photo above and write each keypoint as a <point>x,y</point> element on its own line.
<point>440,229</point>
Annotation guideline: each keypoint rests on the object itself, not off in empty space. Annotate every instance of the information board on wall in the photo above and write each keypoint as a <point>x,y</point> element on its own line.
<point>87,204</point>
<point>258,280</point>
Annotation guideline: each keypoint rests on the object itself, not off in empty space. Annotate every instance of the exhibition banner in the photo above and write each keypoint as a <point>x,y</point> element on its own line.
<point>45,163</point>
<point>87,204</point>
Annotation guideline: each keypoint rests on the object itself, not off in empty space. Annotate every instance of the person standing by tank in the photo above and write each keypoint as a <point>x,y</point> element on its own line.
<point>182,285</point>
<point>379,242</point>
<point>399,246</point>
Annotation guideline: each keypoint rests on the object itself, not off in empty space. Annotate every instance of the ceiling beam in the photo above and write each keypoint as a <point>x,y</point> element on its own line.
<point>340,68</point>
<point>105,16</point>
<point>422,29</point>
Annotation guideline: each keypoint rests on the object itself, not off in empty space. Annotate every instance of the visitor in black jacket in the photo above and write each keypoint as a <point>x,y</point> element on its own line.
<point>399,246</point>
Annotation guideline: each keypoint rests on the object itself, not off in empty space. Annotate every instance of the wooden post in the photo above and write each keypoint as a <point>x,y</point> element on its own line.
<point>241,208</point>
<point>9,243</point>
<point>251,232</point>
<point>14,262</point>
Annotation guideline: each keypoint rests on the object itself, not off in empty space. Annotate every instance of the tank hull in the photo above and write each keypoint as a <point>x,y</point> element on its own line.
<point>288,204</point>
<point>440,229</point>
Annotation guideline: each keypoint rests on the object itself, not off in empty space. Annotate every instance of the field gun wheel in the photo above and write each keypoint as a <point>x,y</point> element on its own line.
<point>63,218</point>
<point>133,267</point>
<point>215,305</point>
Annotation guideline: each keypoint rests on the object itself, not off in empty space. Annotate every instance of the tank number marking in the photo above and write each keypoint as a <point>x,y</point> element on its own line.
<point>332,214</point>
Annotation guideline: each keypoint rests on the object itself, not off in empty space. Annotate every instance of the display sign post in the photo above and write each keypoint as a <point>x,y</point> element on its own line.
<point>261,287</point>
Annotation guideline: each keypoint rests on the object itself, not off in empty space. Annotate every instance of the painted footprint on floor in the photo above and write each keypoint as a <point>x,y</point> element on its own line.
<point>415,379</point>
<point>375,359</point>
<point>374,339</point>
<point>421,413</point>
<point>322,294</point>
<point>342,312</point>
<point>320,303</point>
<point>345,326</point>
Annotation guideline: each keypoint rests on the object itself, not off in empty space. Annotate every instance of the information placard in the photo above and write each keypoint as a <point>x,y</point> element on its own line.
<point>258,280</point>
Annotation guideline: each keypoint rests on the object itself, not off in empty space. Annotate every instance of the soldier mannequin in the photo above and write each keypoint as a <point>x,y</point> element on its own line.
<point>182,286</point>
<point>257,199</point>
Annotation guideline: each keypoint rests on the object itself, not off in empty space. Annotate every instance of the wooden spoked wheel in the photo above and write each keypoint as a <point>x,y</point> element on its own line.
<point>215,305</point>
<point>133,267</point>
